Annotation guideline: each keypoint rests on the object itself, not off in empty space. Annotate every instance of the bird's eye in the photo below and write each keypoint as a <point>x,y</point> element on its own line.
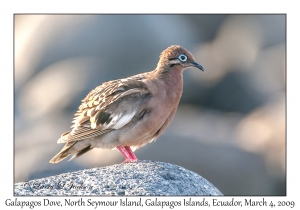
<point>182,57</point>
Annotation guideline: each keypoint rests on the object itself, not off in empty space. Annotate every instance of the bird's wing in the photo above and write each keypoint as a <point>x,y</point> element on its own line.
<point>109,106</point>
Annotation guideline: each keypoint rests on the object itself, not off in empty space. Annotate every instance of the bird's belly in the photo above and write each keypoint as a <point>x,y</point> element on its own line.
<point>146,130</point>
<point>137,134</point>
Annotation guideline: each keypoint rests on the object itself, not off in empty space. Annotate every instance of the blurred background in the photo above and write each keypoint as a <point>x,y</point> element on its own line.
<point>230,125</point>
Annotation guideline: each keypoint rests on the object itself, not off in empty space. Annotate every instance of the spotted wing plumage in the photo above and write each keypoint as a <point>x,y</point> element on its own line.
<point>107,107</point>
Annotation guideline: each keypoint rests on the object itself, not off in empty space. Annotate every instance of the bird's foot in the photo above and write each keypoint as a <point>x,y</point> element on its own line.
<point>130,161</point>
<point>128,154</point>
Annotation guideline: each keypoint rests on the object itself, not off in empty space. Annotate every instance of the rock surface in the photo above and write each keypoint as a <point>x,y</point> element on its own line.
<point>142,178</point>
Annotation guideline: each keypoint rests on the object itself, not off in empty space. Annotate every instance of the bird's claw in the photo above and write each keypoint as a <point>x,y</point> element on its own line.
<point>130,161</point>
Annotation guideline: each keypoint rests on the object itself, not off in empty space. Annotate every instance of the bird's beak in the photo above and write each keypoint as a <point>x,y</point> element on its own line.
<point>197,65</point>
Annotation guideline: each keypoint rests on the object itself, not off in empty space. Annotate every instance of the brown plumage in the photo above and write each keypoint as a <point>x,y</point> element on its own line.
<point>128,113</point>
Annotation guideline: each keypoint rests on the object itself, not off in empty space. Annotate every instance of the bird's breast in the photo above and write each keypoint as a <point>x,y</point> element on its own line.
<point>161,108</point>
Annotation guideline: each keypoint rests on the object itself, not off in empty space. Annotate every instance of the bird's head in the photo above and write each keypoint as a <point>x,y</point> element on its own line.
<point>178,57</point>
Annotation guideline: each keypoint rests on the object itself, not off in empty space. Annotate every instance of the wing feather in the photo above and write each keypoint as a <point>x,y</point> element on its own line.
<point>109,106</point>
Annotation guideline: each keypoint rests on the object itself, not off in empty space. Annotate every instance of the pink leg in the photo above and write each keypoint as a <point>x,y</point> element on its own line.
<point>127,153</point>
<point>130,152</point>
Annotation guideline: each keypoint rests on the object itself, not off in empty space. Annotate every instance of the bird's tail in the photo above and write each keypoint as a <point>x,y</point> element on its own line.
<point>69,149</point>
<point>62,154</point>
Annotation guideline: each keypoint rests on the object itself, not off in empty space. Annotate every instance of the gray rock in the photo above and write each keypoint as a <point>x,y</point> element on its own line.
<point>142,178</point>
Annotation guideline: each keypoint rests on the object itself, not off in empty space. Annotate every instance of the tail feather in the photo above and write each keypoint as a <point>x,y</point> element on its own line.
<point>81,152</point>
<point>59,157</point>
<point>62,154</point>
<point>68,150</point>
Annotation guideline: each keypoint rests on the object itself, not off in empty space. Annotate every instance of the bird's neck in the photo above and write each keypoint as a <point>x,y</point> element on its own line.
<point>172,77</point>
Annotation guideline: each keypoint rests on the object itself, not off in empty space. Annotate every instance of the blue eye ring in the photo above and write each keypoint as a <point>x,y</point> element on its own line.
<point>182,57</point>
